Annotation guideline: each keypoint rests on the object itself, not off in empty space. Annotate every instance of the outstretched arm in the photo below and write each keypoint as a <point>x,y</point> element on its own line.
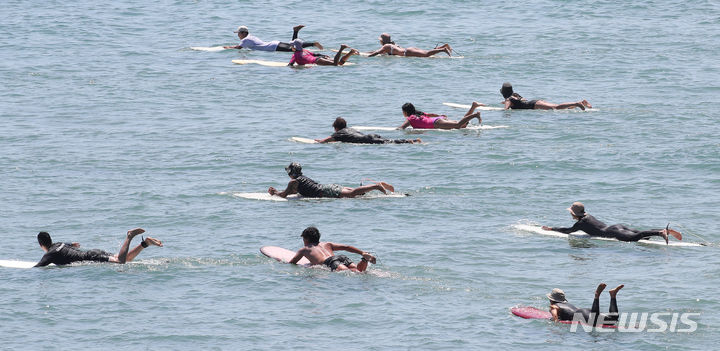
<point>404,125</point>
<point>44,261</point>
<point>326,140</point>
<point>384,49</point>
<point>574,228</point>
<point>291,189</point>
<point>299,255</point>
<point>232,47</point>
<point>347,248</point>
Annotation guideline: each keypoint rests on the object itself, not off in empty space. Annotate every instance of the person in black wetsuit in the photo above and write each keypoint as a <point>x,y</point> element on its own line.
<point>300,184</point>
<point>349,135</point>
<point>593,227</point>
<point>515,101</point>
<point>561,310</point>
<point>323,253</point>
<point>66,253</point>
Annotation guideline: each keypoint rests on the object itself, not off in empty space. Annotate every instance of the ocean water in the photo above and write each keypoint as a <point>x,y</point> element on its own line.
<point>110,121</point>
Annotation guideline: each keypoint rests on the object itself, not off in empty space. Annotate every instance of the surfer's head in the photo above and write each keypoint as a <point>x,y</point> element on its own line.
<point>311,235</point>
<point>297,44</point>
<point>506,90</point>
<point>577,209</point>
<point>242,32</point>
<point>294,170</point>
<point>556,295</point>
<point>44,239</point>
<point>385,39</point>
<point>339,123</point>
<point>409,110</point>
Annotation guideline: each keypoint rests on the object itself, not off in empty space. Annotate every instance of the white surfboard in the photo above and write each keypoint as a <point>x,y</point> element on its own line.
<point>582,235</point>
<point>471,127</point>
<point>282,255</point>
<point>208,48</point>
<point>303,140</point>
<point>467,107</point>
<point>17,264</point>
<point>279,63</point>
<point>293,197</point>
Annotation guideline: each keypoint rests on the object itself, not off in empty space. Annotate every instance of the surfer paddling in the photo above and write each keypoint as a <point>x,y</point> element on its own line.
<point>562,310</point>
<point>323,253</point>
<point>66,253</point>
<point>514,101</point>
<point>390,48</point>
<point>421,120</point>
<point>252,42</point>
<point>306,57</point>
<point>594,227</point>
<point>300,184</point>
<point>345,134</point>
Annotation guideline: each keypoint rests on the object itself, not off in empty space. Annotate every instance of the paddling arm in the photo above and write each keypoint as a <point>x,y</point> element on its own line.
<point>404,125</point>
<point>232,47</point>
<point>326,140</point>
<point>291,189</point>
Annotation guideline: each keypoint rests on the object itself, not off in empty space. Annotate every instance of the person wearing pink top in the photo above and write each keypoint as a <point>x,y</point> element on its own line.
<point>421,120</point>
<point>305,57</point>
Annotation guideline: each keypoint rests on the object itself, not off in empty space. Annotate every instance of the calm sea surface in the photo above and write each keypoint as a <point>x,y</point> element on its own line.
<point>110,121</point>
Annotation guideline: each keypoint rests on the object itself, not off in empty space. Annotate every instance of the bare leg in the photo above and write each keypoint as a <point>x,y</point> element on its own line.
<point>336,60</point>
<point>448,124</point>
<point>350,192</point>
<point>122,255</point>
<point>544,105</point>
<point>346,57</point>
<point>135,251</point>
<point>415,52</point>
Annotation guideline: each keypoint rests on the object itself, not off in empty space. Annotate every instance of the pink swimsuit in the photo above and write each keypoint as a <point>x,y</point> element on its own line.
<point>304,57</point>
<point>422,122</point>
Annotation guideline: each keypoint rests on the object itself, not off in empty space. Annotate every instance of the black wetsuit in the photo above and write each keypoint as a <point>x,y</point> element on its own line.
<point>287,47</point>
<point>349,135</point>
<point>517,103</point>
<point>566,312</point>
<point>593,227</point>
<point>334,261</point>
<point>308,187</point>
<point>65,253</point>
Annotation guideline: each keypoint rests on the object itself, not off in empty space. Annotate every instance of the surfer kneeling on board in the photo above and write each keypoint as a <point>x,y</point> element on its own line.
<point>593,227</point>
<point>515,101</point>
<point>66,253</point>
<point>300,184</point>
<point>561,310</point>
<point>306,57</point>
<point>421,120</point>
<point>349,135</point>
<point>254,43</point>
<point>323,253</point>
<point>390,48</point>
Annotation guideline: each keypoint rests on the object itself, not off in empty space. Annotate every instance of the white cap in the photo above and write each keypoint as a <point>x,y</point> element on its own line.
<point>241,29</point>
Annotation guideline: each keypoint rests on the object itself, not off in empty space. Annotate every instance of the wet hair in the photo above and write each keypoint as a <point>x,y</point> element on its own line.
<point>506,90</point>
<point>339,123</point>
<point>410,110</point>
<point>294,169</point>
<point>312,234</point>
<point>385,37</point>
<point>44,239</point>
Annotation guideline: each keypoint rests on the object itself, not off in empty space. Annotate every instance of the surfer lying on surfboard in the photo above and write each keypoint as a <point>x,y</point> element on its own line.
<point>300,184</point>
<point>421,120</point>
<point>593,227</point>
<point>306,57</point>
<point>252,42</point>
<point>389,47</point>
<point>323,253</point>
<point>562,310</point>
<point>66,253</point>
<point>515,101</point>
<point>349,135</point>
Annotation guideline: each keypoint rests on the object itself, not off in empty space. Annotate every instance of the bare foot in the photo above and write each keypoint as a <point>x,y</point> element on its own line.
<point>388,186</point>
<point>416,141</point>
<point>600,289</point>
<point>581,106</point>
<point>354,52</point>
<point>319,46</point>
<point>298,27</point>
<point>153,241</point>
<point>613,292</point>
<point>343,47</point>
<point>586,103</point>
<point>477,115</point>
<point>134,232</point>
<point>675,234</point>
<point>370,258</point>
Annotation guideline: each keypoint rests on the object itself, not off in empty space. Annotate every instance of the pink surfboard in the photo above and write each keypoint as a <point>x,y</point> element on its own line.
<point>282,255</point>
<point>534,313</point>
